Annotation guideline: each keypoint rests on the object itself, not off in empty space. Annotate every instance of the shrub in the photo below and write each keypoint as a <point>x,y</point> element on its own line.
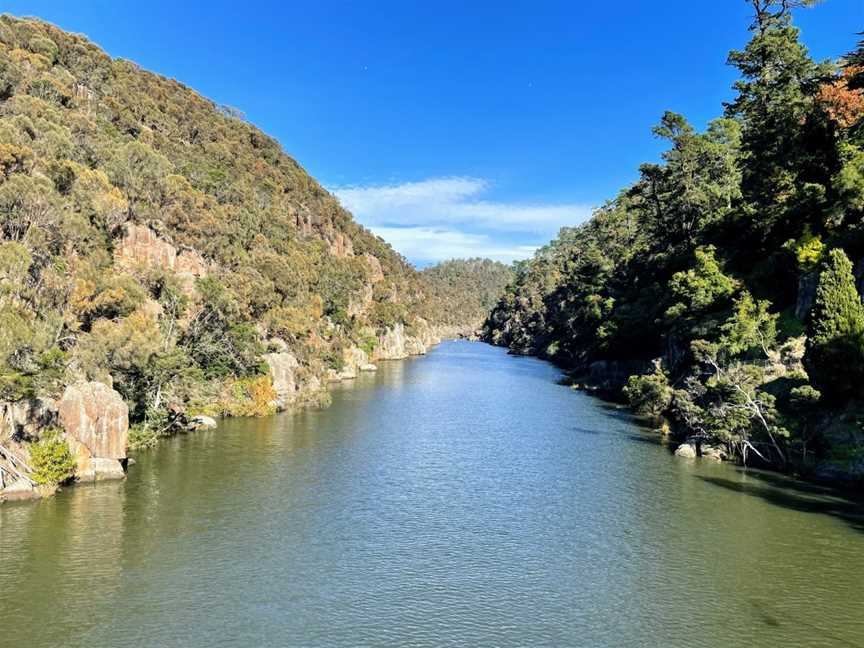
<point>249,397</point>
<point>52,462</point>
<point>44,46</point>
<point>809,250</point>
<point>650,393</point>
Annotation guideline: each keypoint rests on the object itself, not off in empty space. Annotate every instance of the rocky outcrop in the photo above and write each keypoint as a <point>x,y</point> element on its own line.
<point>95,419</point>
<point>391,344</point>
<point>396,343</point>
<point>340,245</point>
<point>283,372</point>
<point>141,246</point>
<point>24,419</point>
<point>376,271</point>
<point>807,284</point>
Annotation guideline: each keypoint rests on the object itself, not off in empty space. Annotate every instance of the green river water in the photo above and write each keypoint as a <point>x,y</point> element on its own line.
<point>460,499</point>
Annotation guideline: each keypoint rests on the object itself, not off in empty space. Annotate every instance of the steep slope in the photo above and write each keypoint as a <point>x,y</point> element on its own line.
<point>693,289</point>
<point>158,244</point>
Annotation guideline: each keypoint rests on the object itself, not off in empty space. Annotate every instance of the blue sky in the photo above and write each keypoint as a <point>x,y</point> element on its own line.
<point>452,128</point>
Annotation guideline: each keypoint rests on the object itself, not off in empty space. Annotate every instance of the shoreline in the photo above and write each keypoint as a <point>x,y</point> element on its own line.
<point>294,397</point>
<point>595,383</point>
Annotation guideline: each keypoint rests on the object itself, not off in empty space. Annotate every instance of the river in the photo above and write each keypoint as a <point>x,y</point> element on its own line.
<point>460,499</point>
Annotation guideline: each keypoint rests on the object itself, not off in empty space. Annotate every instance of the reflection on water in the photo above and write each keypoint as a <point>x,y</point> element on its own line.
<point>462,499</point>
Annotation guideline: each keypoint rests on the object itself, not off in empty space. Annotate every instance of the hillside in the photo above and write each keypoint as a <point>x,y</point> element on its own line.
<point>721,290</point>
<point>159,245</point>
<point>462,292</point>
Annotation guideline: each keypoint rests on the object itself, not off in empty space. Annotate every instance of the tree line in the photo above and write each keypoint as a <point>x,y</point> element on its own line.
<point>725,281</point>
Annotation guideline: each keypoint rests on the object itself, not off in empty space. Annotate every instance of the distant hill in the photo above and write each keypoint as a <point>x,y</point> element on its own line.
<point>462,291</point>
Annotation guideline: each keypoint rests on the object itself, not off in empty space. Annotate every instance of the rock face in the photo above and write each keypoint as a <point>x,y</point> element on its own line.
<point>807,284</point>
<point>24,419</point>
<point>283,372</point>
<point>377,273</point>
<point>391,345</point>
<point>141,246</point>
<point>96,421</point>
<point>341,245</point>
<point>396,344</point>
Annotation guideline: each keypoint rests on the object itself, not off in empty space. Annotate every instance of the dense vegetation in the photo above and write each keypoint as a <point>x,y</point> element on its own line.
<point>157,242</point>
<point>702,278</point>
<point>462,292</point>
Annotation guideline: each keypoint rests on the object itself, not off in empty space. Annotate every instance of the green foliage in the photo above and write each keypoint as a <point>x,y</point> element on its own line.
<point>809,250</point>
<point>751,328</point>
<point>688,263</point>
<point>835,345</point>
<point>158,243</point>
<point>44,46</point>
<point>850,181</point>
<point>52,462</point>
<point>462,291</point>
<point>701,287</point>
<point>649,394</point>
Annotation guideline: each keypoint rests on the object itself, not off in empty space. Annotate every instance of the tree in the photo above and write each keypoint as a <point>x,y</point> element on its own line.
<point>698,182</point>
<point>834,358</point>
<point>52,462</point>
<point>723,401</point>
<point>775,107</point>
<point>701,287</point>
<point>751,328</point>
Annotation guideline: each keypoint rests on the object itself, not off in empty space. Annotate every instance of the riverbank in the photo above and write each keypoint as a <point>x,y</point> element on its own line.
<point>93,419</point>
<point>843,468</point>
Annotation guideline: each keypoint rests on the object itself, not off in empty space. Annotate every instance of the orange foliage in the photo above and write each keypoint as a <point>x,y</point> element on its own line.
<point>843,104</point>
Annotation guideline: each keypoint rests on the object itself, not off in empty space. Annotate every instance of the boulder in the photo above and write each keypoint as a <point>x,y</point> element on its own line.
<point>369,367</point>
<point>687,450</point>
<point>96,421</point>
<point>203,422</point>
<point>714,452</point>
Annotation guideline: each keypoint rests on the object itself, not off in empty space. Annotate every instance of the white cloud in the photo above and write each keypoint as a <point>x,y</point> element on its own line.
<point>430,244</point>
<point>455,200</point>
<point>443,218</point>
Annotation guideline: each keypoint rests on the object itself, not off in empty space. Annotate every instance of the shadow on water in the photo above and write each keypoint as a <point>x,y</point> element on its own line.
<point>770,619</point>
<point>584,430</point>
<point>796,495</point>
<point>655,441</point>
